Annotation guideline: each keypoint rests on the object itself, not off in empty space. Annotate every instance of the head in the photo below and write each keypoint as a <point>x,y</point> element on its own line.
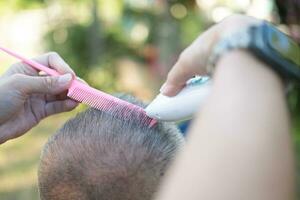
<point>98,156</point>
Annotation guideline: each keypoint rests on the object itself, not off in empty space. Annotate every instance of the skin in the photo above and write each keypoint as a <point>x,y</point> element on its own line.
<point>27,98</point>
<point>239,146</point>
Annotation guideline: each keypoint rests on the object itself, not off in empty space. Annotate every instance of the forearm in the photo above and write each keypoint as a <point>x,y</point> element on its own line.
<point>239,146</point>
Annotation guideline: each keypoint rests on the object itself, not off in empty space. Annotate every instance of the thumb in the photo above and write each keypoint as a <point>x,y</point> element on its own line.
<point>45,85</point>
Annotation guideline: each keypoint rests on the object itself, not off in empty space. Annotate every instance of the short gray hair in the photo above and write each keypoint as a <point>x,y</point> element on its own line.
<point>98,156</point>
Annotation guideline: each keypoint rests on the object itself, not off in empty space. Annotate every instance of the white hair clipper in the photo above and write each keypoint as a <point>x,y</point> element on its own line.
<point>182,106</point>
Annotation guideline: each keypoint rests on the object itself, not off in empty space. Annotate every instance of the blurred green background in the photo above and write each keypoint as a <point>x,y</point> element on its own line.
<point>116,46</point>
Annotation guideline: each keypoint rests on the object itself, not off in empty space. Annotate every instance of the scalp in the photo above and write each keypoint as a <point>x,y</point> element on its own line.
<point>97,154</point>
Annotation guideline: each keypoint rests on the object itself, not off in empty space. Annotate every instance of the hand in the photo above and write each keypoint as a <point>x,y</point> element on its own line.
<point>193,60</point>
<point>26,98</point>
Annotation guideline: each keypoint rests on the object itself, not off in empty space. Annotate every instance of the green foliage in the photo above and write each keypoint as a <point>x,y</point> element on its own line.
<point>98,45</point>
<point>15,5</point>
<point>74,49</point>
<point>20,4</point>
<point>93,48</point>
<point>190,27</point>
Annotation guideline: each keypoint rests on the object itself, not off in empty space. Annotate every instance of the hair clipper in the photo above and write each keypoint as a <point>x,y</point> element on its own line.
<point>182,106</point>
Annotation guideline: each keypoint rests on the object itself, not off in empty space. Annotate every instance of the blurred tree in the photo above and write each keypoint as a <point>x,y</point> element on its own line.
<point>93,35</point>
<point>15,5</point>
<point>95,41</point>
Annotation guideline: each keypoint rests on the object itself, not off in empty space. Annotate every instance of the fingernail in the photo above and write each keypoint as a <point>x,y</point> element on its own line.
<point>166,89</point>
<point>72,103</point>
<point>66,78</point>
<point>170,90</point>
<point>81,80</point>
<point>162,87</point>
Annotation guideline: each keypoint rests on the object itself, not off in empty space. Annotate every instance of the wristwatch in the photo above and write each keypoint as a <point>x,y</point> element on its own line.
<point>268,44</point>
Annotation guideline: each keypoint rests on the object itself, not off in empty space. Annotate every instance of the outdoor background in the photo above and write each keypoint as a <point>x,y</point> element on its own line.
<point>116,46</point>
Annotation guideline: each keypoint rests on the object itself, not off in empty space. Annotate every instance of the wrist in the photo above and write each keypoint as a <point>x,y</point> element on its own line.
<point>266,43</point>
<point>244,68</point>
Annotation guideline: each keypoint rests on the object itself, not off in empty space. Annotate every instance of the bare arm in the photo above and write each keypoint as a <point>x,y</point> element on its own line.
<point>239,147</point>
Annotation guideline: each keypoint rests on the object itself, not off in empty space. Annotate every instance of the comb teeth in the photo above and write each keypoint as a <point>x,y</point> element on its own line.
<point>90,96</point>
<point>107,103</point>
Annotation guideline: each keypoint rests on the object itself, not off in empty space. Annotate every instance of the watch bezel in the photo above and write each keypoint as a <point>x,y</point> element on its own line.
<point>257,39</point>
<point>260,45</point>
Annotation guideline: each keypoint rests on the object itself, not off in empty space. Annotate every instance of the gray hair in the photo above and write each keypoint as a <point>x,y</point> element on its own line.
<point>99,156</point>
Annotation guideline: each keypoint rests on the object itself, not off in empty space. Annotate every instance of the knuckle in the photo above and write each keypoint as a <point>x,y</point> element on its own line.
<point>53,54</point>
<point>53,58</point>
<point>49,83</point>
<point>56,61</point>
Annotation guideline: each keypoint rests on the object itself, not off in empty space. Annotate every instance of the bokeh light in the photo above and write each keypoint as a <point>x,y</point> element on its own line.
<point>115,45</point>
<point>206,5</point>
<point>60,36</point>
<point>139,33</point>
<point>178,11</point>
<point>219,13</point>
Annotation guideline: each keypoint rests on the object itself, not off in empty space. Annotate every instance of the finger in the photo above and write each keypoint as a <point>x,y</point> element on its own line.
<point>54,61</point>
<point>57,63</point>
<point>192,61</point>
<point>81,80</point>
<point>51,60</point>
<point>44,85</point>
<point>60,106</point>
<point>63,95</point>
<point>20,68</point>
<point>58,97</point>
<point>183,70</point>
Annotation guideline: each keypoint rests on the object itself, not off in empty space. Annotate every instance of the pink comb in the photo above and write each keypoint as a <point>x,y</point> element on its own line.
<point>91,96</point>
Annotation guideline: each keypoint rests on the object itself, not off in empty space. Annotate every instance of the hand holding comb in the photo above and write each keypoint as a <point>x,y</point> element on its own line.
<point>91,96</point>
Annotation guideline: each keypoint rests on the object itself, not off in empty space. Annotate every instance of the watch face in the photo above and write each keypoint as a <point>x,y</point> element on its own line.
<point>284,45</point>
